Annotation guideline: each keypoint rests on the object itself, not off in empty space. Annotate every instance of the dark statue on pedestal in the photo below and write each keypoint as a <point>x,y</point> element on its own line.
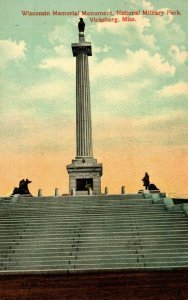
<point>81,25</point>
<point>152,187</point>
<point>23,188</point>
<point>149,186</point>
<point>146,181</point>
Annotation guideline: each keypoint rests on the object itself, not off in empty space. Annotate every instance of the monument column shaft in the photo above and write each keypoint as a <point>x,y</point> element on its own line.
<point>83,108</point>
<point>84,172</point>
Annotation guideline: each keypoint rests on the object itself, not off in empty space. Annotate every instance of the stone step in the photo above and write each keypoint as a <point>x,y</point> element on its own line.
<point>96,257</point>
<point>97,222</point>
<point>77,203</point>
<point>72,226</point>
<point>80,205</point>
<point>93,217</point>
<point>74,201</point>
<point>126,227</point>
<point>42,212</point>
<point>88,268</point>
<point>128,243</point>
<point>96,234</point>
<point>12,208</point>
<point>98,264</point>
<point>84,249</point>
<point>92,247</point>
<point>124,260</point>
<point>87,219</point>
<point>87,198</point>
<point>63,210</point>
<point>79,235</point>
<point>74,204</point>
<point>93,243</point>
<point>54,259</point>
<point>71,259</point>
<point>84,261</point>
<point>85,216</point>
<point>95,251</point>
<point>93,255</point>
<point>119,265</point>
<point>25,234</point>
<point>122,253</point>
<point>69,269</point>
<point>80,229</point>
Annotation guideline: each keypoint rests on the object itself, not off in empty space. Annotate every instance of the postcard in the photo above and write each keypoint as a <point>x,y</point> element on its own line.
<point>138,90</point>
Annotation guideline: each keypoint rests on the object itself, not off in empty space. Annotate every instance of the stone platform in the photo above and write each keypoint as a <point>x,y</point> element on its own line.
<point>93,247</point>
<point>92,234</point>
<point>85,173</point>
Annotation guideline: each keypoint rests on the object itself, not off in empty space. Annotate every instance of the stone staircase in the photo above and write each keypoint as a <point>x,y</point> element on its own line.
<point>91,233</point>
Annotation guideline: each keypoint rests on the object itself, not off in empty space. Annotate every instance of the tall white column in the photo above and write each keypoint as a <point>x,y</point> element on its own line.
<point>83,107</point>
<point>84,171</point>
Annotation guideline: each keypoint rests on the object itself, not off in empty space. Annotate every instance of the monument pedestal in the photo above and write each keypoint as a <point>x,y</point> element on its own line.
<point>85,173</point>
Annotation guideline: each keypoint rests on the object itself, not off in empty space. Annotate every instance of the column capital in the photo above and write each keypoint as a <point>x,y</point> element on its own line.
<point>79,48</point>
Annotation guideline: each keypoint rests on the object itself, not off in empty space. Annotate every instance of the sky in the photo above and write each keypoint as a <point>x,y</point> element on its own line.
<point>138,84</point>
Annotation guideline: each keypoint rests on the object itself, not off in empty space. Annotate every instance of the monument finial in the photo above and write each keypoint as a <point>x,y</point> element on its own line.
<point>81,25</point>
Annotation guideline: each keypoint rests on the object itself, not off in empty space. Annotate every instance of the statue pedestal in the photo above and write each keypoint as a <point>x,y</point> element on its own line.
<point>85,173</point>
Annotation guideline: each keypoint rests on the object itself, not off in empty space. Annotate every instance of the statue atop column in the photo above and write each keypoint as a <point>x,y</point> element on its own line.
<point>81,25</point>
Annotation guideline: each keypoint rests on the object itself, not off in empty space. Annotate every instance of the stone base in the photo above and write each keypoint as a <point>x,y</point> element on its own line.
<point>83,173</point>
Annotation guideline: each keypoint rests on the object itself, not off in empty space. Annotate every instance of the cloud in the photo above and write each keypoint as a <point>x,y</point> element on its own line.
<point>141,24</point>
<point>156,62</point>
<point>135,32</point>
<point>166,19</point>
<point>120,95</point>
<point>61,60</point>
<point>160,129</point>
<point>105,49</point>
<point>32,118</point>
<point>64,33</point>
<point>147,5</point>
<point>134,62</point>
<point>18,96</point>
<point>46,90</point>
<point>11,50</point>
<point>62,50</point>
<point>56,35</point>
<point>167,31</point>
<point>178,89</point>
<point>30,134</point>
<point>161,120</point>
<point>142,122</point>
<point>177,55</point>
<point>60,63</point>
